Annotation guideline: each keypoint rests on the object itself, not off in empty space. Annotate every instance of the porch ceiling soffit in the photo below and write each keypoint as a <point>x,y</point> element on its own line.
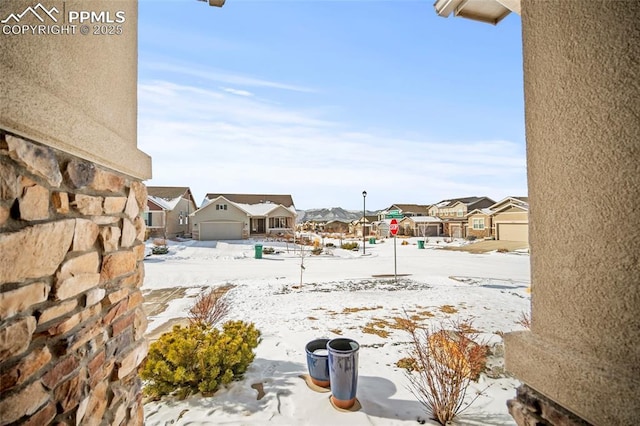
<point>489,11</point>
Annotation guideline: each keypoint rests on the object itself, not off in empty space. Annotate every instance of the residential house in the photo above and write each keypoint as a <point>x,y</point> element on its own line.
<point>241,216</point>
<point>167,211</point>
<point>313,225</point>
<point>453,213</point>
<point>370,226</point>
<point>336,226</point>
<point>406,210</point>
<point>383,229</point>
<point>479,223</point>
<point>420,226</point>
<point>405,227</point>
<point>510,219</point>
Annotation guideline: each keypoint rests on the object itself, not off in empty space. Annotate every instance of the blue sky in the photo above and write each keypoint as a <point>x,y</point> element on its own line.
<point>325,99</point>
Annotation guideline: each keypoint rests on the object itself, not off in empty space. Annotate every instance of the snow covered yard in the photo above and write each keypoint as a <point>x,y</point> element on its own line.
<point>342,294</point>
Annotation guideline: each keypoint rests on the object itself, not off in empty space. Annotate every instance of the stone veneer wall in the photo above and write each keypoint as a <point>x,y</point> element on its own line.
<point>531,408</point>
<point>71,318</point>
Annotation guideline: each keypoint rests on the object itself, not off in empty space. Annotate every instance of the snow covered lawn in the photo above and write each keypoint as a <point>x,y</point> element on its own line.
<point>343,293</point>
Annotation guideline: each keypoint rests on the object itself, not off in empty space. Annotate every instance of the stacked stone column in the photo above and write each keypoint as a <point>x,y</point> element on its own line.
<point>71,318</point>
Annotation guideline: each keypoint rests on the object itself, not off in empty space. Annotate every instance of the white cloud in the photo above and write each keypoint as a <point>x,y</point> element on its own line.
<point>221,76</point>
<point>216,141</point>
<point>237,91</point>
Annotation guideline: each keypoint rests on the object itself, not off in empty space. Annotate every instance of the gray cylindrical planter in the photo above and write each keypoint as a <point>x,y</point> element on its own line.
<point>343,371</point>
<point>318,362</point>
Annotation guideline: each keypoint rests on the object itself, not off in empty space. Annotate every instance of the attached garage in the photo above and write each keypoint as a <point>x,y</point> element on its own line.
<point>511,219</point>
<point>513,232</point>
<point>220,230</point>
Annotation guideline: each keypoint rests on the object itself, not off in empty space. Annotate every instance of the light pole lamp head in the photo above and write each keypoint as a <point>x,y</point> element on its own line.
<point>364,194</point>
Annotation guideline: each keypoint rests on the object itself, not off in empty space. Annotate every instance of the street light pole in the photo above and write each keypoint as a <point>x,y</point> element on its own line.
<point>364,218</point>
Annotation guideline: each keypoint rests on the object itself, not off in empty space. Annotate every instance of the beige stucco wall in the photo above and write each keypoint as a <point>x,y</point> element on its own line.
<point>173,218</point>
<point>452,211</point>
<point>209,213</point>
<point>582,106</point>
<point>512,216</point>
<point>280,212</point>
<point>407,226</point>
<point>74,92</point>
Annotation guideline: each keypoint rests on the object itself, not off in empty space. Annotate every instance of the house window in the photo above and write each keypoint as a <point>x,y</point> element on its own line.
<point>278,222</point>
<point>478,224</point>
<point>221,206</point>
<point>147,218</point>
<point>153,219</point>
<point>460,213</point>
<point>183,219</point>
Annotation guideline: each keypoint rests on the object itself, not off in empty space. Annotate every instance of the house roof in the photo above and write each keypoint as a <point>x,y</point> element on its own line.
<point>167,192</point>
<point>521,202</point>
<point>410,208</point>
<point>167,197</point>
<point>486,211</point>
<point>424,219</point>
<point>163,203</point>
<point>469,201</point>
<point>367,218</point>
<point>259,209</point>
<point>341,221</point>
<point>283,199</point>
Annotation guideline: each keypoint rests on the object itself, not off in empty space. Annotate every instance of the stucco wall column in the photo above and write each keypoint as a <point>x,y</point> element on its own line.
<point>582,106</point>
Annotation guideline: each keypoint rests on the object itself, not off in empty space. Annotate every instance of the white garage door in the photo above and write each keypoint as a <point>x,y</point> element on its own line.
<point>513,232</point>
<point>220,230</point>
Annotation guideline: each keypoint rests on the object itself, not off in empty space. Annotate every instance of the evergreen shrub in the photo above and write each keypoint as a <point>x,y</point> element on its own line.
<point>349,246</point>
<point>199,358</point>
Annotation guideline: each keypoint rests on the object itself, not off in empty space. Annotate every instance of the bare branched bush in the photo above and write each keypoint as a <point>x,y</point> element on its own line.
<point>446,361</point>
<point>210,307</point>
<point>525,320</point>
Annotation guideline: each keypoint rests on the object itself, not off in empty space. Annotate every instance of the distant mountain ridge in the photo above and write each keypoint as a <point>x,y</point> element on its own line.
<point>333,213</point>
